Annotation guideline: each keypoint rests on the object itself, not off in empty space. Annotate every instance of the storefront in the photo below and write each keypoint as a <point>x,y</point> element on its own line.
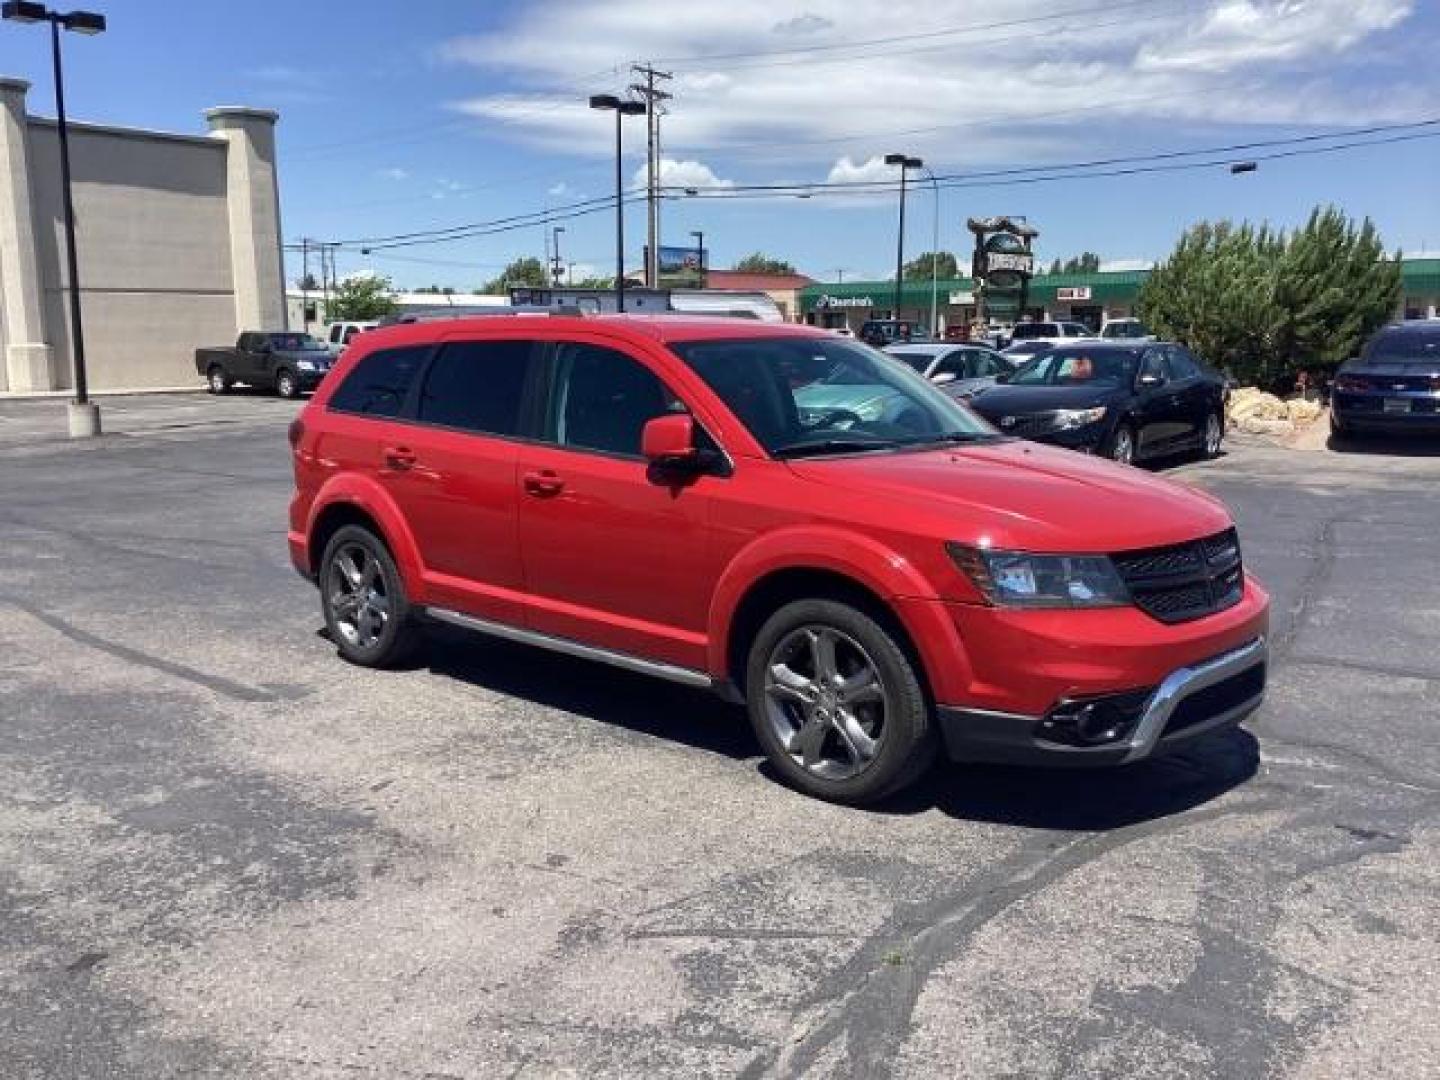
<point>1088,298</point>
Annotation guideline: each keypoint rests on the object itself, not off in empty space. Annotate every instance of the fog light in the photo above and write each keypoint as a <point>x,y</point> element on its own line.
<point>1099,722</point>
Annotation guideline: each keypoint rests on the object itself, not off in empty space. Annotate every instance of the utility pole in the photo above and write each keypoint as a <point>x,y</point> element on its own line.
<point>305,282</point>
<point>653,98</point>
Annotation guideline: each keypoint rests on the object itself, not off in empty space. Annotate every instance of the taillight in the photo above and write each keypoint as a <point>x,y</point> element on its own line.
<point>297,432</point>
<point>1435,382</point>
<point>1351,384</point>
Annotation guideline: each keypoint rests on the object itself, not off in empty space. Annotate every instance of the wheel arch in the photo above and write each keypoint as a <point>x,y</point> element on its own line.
<point>352,501</point>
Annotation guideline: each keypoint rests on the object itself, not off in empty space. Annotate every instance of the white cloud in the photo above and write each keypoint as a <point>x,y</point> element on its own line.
<point>559,189</point>
<point>1072,86</point>
<point>395,173</point>
<point>1114,266</point>
<point>684,174</point>
<point>1237,33</point>
<point>871,171</point>
<point>808,23</point>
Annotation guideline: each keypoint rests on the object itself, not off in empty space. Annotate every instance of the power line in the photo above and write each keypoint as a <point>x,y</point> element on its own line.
<point>971,28</point>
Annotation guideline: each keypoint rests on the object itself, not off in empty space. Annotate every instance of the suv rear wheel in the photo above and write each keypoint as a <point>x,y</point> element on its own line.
<point>286,384</point>
<point>836,703</point>
<point>363,598</point>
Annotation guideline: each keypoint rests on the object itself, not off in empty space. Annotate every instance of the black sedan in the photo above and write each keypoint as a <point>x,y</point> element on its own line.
<point>1394,385</point>
<point>1127,401</point>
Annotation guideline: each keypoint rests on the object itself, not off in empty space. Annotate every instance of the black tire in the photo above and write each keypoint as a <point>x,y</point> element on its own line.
<point>1208,451</point>
<point>1115,444</point>
<point>286,384</point>
<point>906,741</point>
<point>1338,428</point>
<point>399,636</point>
<point>217,379</point>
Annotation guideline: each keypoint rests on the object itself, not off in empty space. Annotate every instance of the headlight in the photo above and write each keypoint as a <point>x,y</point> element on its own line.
<point>1015,579</point>
<point>307,365</point>
<point>1073,418</point>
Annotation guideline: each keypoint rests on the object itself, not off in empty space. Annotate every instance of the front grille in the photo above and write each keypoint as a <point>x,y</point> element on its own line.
<point>1214,700</point>
<point>1027,424</point>
<point>1185,581</point>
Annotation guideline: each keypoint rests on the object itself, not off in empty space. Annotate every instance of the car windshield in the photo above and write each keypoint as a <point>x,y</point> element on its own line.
<point>1405,347</point>
<point>1075,365</point>
<point>1124,330</point>
<point>913,358</point>
<point>294,342</point>
<point>804,396</point>
<point>1033,330</point>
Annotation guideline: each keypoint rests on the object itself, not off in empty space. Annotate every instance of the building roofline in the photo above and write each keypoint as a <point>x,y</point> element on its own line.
<point>211,141</point>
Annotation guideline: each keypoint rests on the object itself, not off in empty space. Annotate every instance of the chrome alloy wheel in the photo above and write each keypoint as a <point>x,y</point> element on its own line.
<point>1214,432</point>
<point>1124,448</point>
<point>825,701</point>
<point>358,598</point>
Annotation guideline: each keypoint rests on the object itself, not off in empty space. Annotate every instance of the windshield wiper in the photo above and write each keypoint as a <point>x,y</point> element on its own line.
<point>954,437</point>
<point>832,445</point>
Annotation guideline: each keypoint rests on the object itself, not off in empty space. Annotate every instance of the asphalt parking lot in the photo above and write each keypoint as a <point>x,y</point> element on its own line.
<point>225,853</point>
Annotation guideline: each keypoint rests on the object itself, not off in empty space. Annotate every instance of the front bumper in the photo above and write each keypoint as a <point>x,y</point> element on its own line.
<point>309,380</point>
<point>1191,701</point>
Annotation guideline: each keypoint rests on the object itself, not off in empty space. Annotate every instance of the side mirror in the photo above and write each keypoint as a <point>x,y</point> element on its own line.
<point>669,441</point>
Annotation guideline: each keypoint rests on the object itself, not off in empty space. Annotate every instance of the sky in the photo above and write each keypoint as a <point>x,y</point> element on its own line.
<point>431,114</point>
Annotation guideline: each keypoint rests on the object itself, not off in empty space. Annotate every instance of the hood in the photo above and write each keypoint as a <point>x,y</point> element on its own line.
<point>1006,399</point>
<point>1024,496</point>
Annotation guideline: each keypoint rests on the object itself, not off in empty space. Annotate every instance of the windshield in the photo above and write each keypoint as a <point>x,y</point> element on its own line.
<point>920,361</point>
<point>294,342</point>
<point>1034,330</point>
<point>1405,346</point>
<point>1124,330</point>
<point>1076,365</point>
<point>810,396</point>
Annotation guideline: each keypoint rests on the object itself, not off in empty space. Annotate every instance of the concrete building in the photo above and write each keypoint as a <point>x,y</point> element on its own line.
<point>178,239</point>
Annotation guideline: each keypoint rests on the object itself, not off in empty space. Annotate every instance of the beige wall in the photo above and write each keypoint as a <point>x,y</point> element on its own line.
<point>159,220</point>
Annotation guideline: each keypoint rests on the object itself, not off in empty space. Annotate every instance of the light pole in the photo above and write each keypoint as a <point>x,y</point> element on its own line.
<point>84,414</point>
<point>905,163</point>
<point>555,254</point>
<point>934,257</point>
<point>699,235</point>
<point>621,109</point>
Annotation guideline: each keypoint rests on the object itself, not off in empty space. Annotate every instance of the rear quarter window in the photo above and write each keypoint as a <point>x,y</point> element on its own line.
<point>380,382</point>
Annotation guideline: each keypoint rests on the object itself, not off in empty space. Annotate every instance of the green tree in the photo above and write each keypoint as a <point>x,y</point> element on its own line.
<point>1087,262</point>
<point>1265,304</point>
<point>364,296</point>
<point>526,272</point>
<point>760,263</point>
<point>436,290</point>
<point>918,268</point>
<point>1333,289</point>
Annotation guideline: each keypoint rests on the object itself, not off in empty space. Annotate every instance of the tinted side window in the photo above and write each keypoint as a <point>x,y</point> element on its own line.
<point>1182,365</point>
<point>378,384</point>
<point>603,399</point>
<point>477,386</point>
<point>1154,364</point>
<point>335,333</point>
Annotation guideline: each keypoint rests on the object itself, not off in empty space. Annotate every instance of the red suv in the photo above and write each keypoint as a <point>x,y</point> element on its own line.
<point>787,517</point>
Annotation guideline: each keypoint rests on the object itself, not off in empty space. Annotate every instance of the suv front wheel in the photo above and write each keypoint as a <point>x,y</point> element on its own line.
<point>836,703</point>
<point>366,611</point>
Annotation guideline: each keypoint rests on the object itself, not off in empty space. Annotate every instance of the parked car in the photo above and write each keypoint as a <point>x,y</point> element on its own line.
<point>284,361</point>
<point>339,334</point>
<point>1125,330</point>
<point>650,493</point>
<point>882,332</point>
<point>1393,385</point>
<point>1053,332</point>
<point>963,370</point>
<point>1127,402</point>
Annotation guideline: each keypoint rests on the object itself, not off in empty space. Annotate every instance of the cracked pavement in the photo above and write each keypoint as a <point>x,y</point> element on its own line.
<point>223,852</point>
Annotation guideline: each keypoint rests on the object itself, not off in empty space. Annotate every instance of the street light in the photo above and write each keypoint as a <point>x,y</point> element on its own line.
<point>555,247</point>
<point>1242,167</point>
<point>621,109</point>
<point>934,256</point>
<point>905,163</point>
<point>84,415</point>
<point>699,235</point>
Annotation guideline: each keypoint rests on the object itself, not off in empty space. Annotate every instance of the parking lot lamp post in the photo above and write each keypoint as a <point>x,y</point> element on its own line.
<point>906,164</point>
<point>934,256</point>
<point>621,109</point>
<point>84,415</point>
<point>699,235</point>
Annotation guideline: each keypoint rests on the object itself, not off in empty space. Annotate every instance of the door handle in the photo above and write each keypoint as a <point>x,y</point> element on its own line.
<point>543,484</point>
<point>399,457</point>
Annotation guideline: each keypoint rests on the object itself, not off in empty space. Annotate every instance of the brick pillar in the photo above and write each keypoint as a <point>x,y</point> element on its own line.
<point>253,196</point>
<point>29,359</point>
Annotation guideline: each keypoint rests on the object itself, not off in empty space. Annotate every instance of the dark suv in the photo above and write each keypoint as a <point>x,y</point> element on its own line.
<point>1394,385</point>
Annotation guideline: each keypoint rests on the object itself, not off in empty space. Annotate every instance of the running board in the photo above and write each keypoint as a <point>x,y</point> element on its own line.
<point>670,672</point>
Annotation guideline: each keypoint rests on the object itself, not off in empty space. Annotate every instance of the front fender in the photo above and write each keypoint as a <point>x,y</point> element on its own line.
<point>867,562</point>
<point>365,493</point>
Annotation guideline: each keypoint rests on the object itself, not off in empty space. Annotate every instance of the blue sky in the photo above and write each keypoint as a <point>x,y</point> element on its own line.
<point>396,118</point>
